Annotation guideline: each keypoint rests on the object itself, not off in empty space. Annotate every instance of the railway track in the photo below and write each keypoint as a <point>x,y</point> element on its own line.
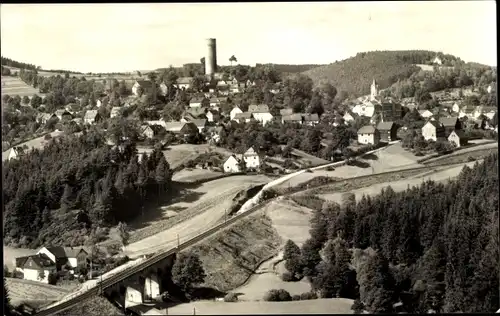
<point>124,274</point>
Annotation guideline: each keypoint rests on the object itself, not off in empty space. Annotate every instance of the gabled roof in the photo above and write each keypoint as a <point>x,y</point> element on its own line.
<point>41,260</point>
<point>72,252</point>
<point>57,251</point>
<point>174,126</point>
<point>155,128</point>
<point>448,121</point>
<point>200,122</point>
<point>196,111</point>
<point>297,117</point>
<point>367,129</point>
<point>233,157</point>
<point>20,261</point>
<point>313,117</point>
<point>436,124</point>
<point>236,107</point>
<point>145,83</point>
<point>250,152</point>
<point>460,133</point>
<point>184,80</point>
<point>261,108</point>
<point>286,111</point>
<point>244,115</point>
<point>385,126</point>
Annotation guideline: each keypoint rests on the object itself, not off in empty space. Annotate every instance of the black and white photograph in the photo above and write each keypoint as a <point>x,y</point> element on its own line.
<point>223,158</point>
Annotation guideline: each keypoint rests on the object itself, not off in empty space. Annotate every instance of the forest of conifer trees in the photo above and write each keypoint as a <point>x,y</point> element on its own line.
<point>75,184</point>
<point>433,247</point>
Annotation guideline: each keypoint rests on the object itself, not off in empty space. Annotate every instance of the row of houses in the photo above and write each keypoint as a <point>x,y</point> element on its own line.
<point>49,260</point>
<point>251,159</point>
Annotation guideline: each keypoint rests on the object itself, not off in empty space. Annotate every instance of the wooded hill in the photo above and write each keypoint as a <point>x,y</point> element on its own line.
<point>355,75</point>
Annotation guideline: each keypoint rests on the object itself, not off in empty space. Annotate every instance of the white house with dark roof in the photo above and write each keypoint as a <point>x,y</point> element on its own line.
<point>38,267</point>
<point>91,117</point>
<point>232,164</point>
<point>146,86</point>
<point>252,158</point>
<point>184,83</point>
<point>368,135</point>
<point>311,119</point>
<point>234,111</point>
<point>212,115</point>
<point>260,113</point>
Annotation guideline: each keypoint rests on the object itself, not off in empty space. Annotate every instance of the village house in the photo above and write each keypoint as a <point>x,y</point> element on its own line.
<point>292,118</point>
<point>455,108</point>
<point>115,111</point>
<point>468,111</point>
<point>232,164</point>
<point>425,114</point>
<point>368,135</point>
<point>236,89</point>
<point>260,113</point>
<point>214,133</point>
<point>390,111</point>
<point>348,116</point>
<point>286,112</point>
<point>38,268</point>
<point>91,117</point>
<point>184,83</point>
<point>63,115</point>
<point>43,118</point>
<point>234,111</point>
<point>366,109</point>
<point>70,257</point>
<point>244,117</point>
<point>213,115</point>
<point>458,138</point>
<point>214,102</point>
<point>388,131</point>
<point>198,102</point>
<point>181,128</point>
<point>151,131</point>
<point>13,153</point>
<point>311,119</point>
<point>432,130</point>
<point>491,87</point>
<point>197,112</point>
<point>201,124</point>
<point>249,83</point>
<point>77,120</point>
<point>146,85</point>
<point>98,103</point>
<point>252,159</point>
<point>489,111</point>
<point>437,61</point>
<point>72,108</point>
<point>450,124</point>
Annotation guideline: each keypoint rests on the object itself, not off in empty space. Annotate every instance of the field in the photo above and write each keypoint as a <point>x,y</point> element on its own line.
<point>196,210</point>
<point>27,291</point>
<point>319,306</point>
<point>15,86</point>
<point>389,158</point>
<point>37,143</point>
<point>182,153</point>
<point>95,306</point>
<point>441,175</point>
<point>193,175</point>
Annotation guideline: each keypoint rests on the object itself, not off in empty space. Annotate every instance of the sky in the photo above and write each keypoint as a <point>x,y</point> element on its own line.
<point>145,36</point>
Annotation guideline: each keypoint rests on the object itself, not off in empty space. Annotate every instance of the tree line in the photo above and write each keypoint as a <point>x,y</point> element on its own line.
<point>12,63</point>
<point>431,247</point>
<point>105,184</point>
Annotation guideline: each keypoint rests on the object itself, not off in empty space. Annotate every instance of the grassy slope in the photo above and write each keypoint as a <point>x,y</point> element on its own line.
<point>231,257</point>
<point>26,291</point>
<point>94,306</point>
<point>355,75</point>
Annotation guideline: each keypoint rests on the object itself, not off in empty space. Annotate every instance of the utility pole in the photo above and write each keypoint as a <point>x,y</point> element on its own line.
<point>178,241</point>
<point>225,215</point>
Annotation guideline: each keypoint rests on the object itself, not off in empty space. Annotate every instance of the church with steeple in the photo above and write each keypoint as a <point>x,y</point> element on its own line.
<point>374,91</point>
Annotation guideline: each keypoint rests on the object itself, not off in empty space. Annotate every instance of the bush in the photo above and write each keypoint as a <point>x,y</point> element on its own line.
<point>231,298</point>
<point>287,277</point>
<point>330,168</point>
<point>308,296</point>
<point>296,297</point>
<point>277,296</point>
<point>52,278</point>
<point>470,158</point>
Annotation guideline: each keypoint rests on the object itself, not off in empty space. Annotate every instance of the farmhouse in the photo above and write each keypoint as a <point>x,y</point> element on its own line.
<point>184,83</point>
<point>366,109</point>
<point>234,111</point>
<point>388,131</point>
<point>91,117</point>
<point>152,130</point>
<point>232,164</point>
<point>260,113</point>
<point>38,268</point>
<point>432,130</point>
<point>69,256</point>
<point>182,128</point>
<point>213,116</point>
<point>368,135</point>
<point>292,118</point>
<point>311,119</point>
<point>63,115</point>
<point>450,124</point>
<point>458,138</point>
<point>437,61</point>
<point>252,159</point>
<point>146,85</point>
<point>243,117</point>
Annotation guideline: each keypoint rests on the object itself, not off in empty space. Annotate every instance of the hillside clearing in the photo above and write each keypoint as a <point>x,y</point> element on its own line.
<point>197,210</point>
<point>24,291</point>
<point>319,306</point>
<point>15,86</point>
<point>230,257</point>
<point>11,253</point>
<point>194,175</point>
